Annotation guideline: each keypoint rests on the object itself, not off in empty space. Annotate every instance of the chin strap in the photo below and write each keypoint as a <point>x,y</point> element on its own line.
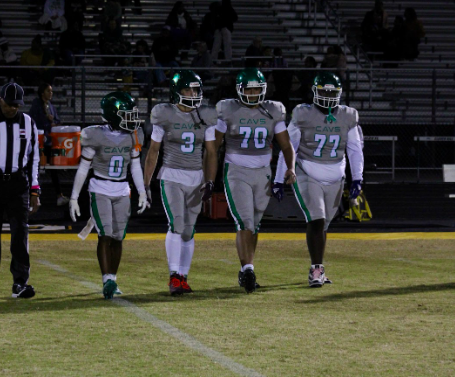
<point>330,118</point>
<point>137,146</point>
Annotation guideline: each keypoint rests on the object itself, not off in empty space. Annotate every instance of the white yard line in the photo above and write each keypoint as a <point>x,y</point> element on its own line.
<point>165,327</point>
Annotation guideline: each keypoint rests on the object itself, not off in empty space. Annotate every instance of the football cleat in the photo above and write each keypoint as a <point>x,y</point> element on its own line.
<point>175,285</point>
<point>242,281</point>
<point>109,288</point>
<point>249,280</point>
<point>316,276</point>
<point>327,280</point>
<point>118,291</point>
<point>23,291</point>
<point>185,286</point>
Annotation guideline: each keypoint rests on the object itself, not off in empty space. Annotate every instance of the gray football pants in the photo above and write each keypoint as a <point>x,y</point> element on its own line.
<point>248,192</point>
<point>316,200</point>
<point>182,205</point>
<point>110,214</point>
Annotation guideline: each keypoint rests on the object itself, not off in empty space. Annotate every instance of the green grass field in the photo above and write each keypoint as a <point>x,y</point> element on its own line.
<point>390,312</point>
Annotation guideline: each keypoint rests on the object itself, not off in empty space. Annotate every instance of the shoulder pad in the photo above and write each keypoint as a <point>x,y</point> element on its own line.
<point>351,114</point>
<point>222,105</point>
<point>276,109</point>
<point>209,114</point>
<point>88,135</point>
<point>159,113</point>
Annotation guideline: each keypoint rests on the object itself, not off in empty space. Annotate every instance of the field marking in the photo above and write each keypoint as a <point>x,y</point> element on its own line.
<point>262,236</point>
<point>165,327</point>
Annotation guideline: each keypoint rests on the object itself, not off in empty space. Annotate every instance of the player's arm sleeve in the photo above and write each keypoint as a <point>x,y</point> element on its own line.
<point>84,167</point>
<point>355,153</point>
<point>281,167</point>
<point>210,134</point>
<point>221,126</point>
<point>157,133</point>
<point>136,172</point>
<point>34,169</point>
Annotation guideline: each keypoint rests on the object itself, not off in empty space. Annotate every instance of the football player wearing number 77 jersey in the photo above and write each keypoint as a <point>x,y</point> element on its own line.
<point>109,150</point>
<point>320,134</point>
<point>248,125</point>
<point>183,126</point>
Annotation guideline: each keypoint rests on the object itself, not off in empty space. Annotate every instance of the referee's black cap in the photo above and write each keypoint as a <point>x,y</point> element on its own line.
<point>12,94</point>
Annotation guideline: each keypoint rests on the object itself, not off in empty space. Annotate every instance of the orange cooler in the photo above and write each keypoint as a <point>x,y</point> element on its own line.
<point>42,157</point>
<point>66,145</point>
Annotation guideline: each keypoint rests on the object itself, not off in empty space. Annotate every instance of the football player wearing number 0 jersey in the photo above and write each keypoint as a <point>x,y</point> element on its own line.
<point>320,134</point>
<point>248,125</point>
<point>109,149</point>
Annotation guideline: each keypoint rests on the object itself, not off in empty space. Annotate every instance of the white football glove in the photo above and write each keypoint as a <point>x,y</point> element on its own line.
<point>74,209</point>
<point>143,202</point>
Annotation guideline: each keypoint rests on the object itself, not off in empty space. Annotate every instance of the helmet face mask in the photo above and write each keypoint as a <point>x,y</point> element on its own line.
<point>120,111</point>
<point>251,78</point>
<point>186,89</point>
<point>327,90</point>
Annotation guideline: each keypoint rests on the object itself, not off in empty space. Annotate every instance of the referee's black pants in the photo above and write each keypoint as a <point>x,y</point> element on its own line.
<point>14,201</point>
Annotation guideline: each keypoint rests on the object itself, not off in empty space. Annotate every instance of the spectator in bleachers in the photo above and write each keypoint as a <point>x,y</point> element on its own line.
<point>75,12</point>
<point>37,55</point>
<point>202,59</point>
<point>209,24</point>
<point>72,42</point>
<point>307,78</point>
<point>280,80</point>
<point>112,11</point>
<point>54,15</point>
<point>7,55</point>
<point>142,48</point>
<point>45,115</point>
<point>165,51</point>
<point>374,27</point>
<point>335,59</point>
<point>224,28</point>
<point>267,60</point>
<point>254,50</point>
<point>414,33</point>
<point>112,42</point>
<point>395,48</point>
<point>183,28</point>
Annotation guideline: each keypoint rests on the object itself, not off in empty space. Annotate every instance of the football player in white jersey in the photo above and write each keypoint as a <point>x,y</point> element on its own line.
<point>248,125</point>
<point>109,149</point>
<point>321,133</point>
<point>184,127</point>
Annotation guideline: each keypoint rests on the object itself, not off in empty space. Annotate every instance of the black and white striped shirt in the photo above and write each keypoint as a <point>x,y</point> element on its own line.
<point>19,148</point>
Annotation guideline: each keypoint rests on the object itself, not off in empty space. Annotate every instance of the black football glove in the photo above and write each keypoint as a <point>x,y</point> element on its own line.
<point>356,187</point>
<point>207,190</point>
<point>278,191</point>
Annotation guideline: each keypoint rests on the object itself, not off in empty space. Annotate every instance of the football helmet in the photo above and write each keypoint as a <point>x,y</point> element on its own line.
<point>327,90</point>
<point>251,78</point>
<point>186,79</point>
<point>120,111</point>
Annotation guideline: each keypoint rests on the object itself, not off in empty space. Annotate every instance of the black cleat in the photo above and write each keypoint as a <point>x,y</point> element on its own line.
<point>242,281</point>
<point>23,291</point>
<point>249,280</point>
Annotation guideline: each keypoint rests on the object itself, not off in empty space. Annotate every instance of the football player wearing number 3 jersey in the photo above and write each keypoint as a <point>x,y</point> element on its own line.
<point>320,134</point>
<point>248,125</point>
<point>109,150</point>
<point>183,126</point>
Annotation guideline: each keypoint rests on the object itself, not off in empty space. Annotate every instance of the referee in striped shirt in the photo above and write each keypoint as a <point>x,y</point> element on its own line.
<point>19,187</point>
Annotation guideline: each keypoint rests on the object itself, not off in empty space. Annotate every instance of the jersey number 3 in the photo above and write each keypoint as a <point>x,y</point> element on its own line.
<point>322,139</point>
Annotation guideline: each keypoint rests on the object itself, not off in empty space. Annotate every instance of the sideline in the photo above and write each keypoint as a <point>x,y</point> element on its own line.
<point>262,236</point>
<point>165,327</point>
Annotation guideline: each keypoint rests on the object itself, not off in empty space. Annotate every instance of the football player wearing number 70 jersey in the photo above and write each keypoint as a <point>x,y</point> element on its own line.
<point>109,150</point>
<point>183,126</point>
<point>320,134</point>
<point>248,125</point>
